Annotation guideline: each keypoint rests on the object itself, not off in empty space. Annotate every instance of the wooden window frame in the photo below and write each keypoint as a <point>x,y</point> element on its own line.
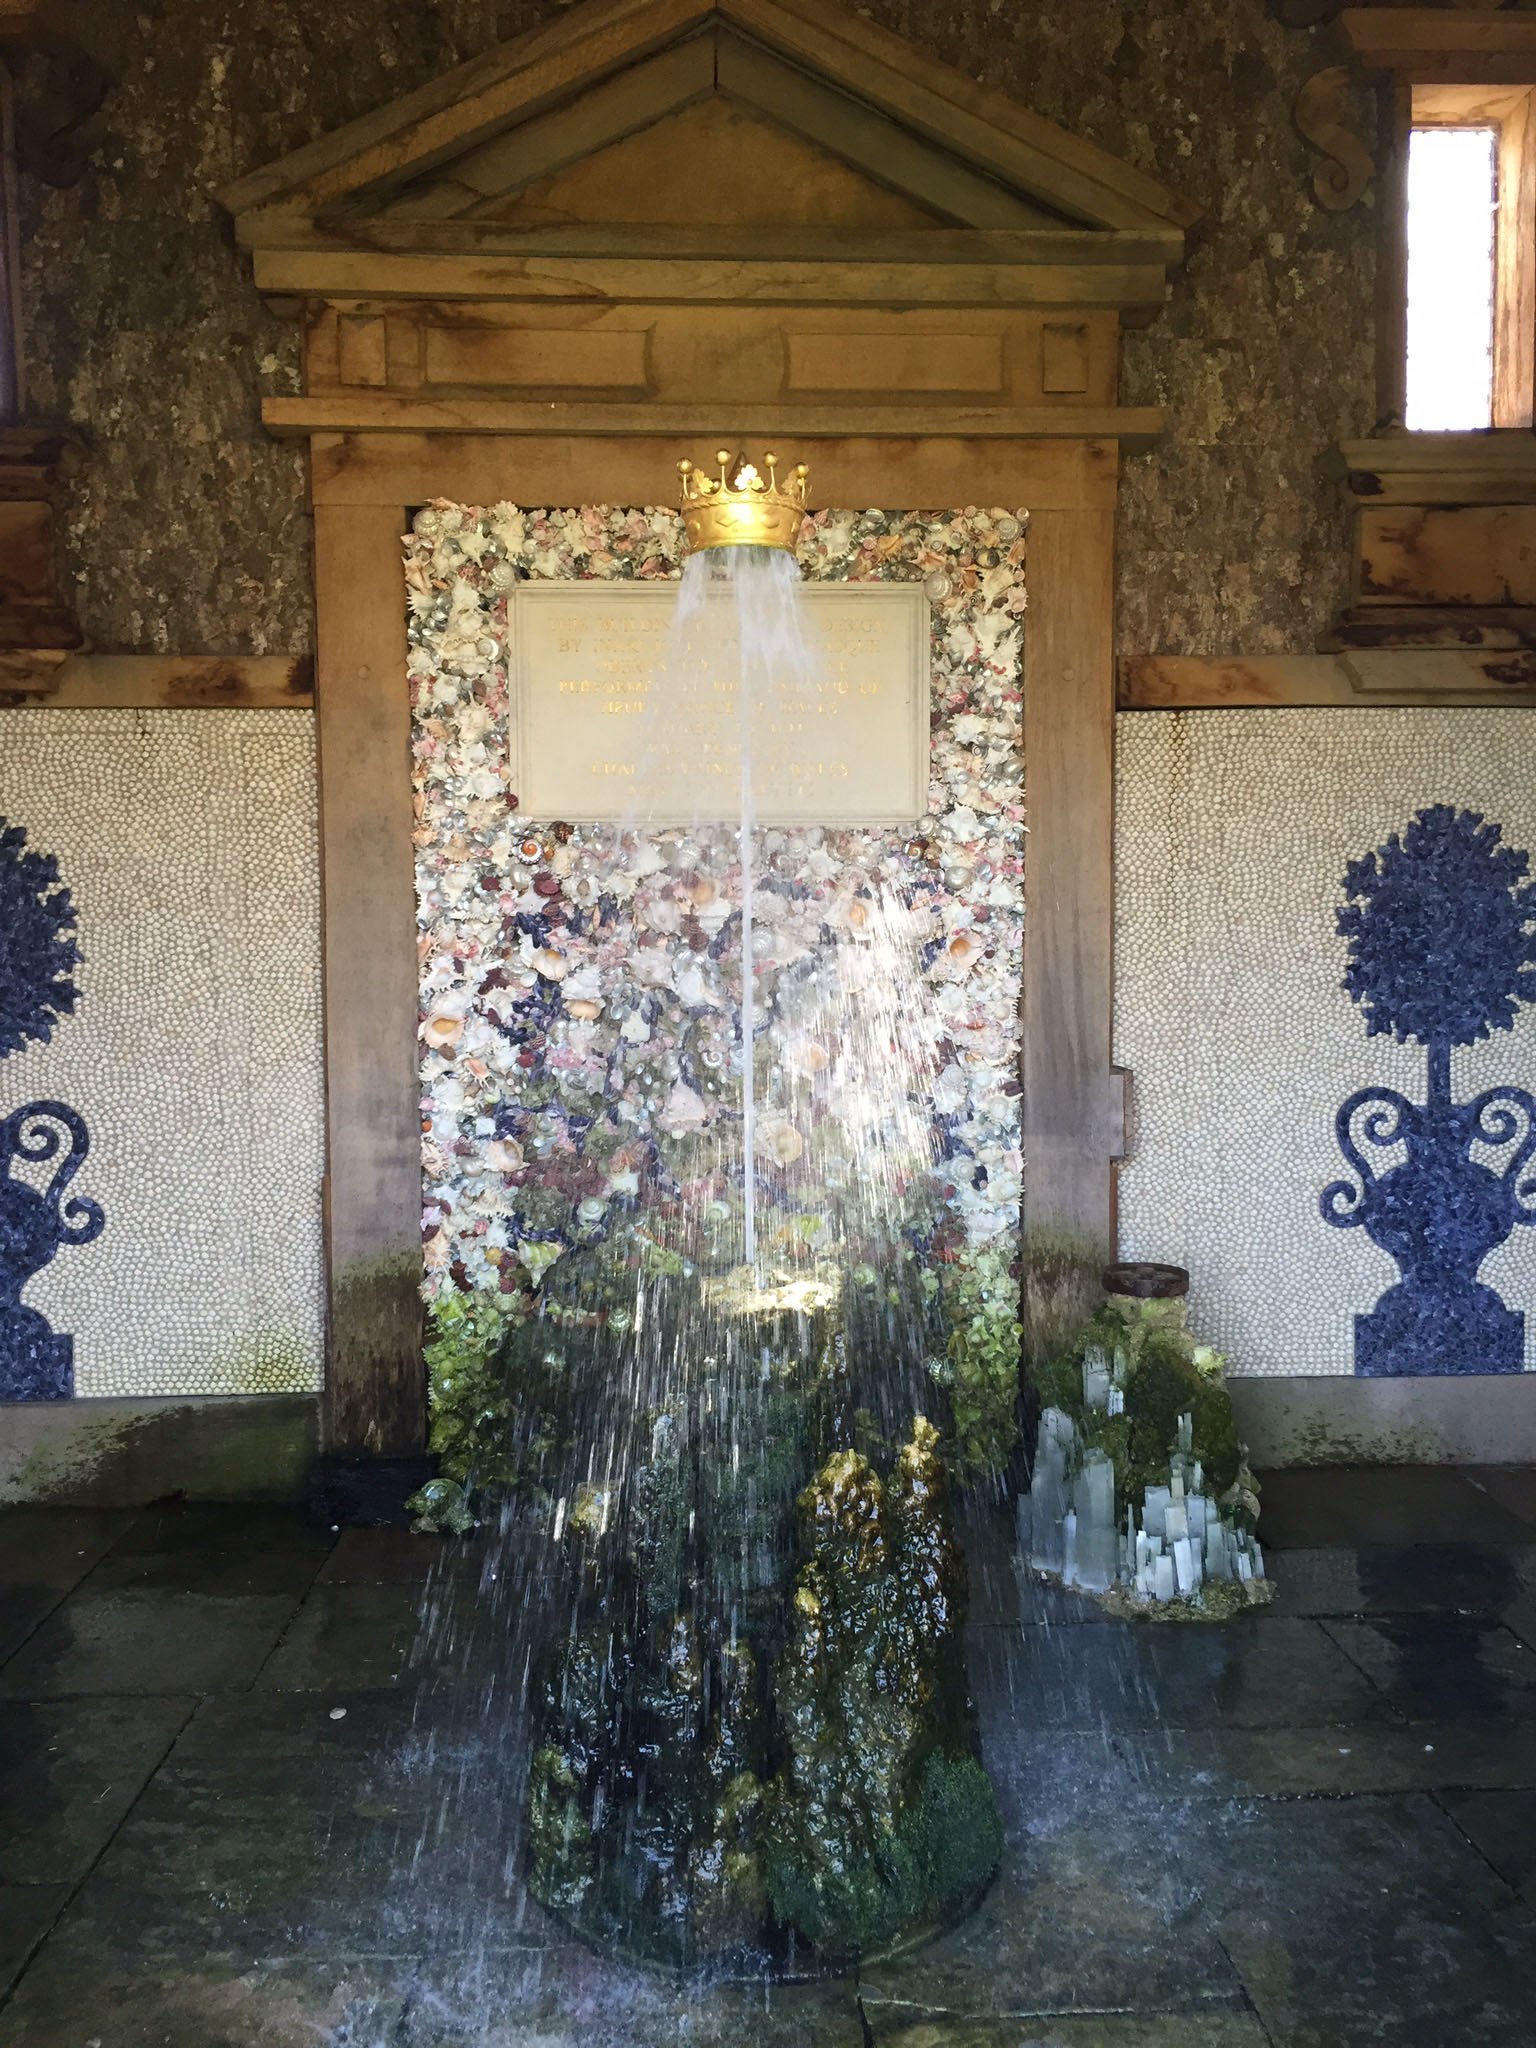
<point>1510,111</point>
<point>1442,63</point>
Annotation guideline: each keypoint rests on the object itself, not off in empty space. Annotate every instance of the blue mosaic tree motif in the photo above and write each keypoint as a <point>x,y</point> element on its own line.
<point>1441,927</point>
<point>38,956</point>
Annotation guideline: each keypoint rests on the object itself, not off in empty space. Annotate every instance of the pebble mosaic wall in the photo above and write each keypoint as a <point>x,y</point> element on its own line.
<point>187,840</point>
<point>1234,833</point>
<point>579,985</point>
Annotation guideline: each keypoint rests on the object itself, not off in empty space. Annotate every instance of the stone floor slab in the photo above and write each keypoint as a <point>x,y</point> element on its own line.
<point>1478,2023</point>
<point>384,1557</point>
<point>56,1546</point>
<point>365,1636</point>
<point>27,1911</point>
<point>567,1997</point>
<point>69,1772</point>
<point>1424,1578</point>
<point>147,1641</point>
<point>1096,2030</point>
<point>1038,1773</point>
<point>249,1863</point>
<point>69,2001</point>
<point>1363,1913</point>
<point>1437,1667</point>
<point>356,1636</point>
<point>260,1726</point>
<point>225,1527</point>
<point>1235,1674</point>
<point>1501,1825</point>
<point>246,1570</point>
<point>1511,1487</point>
<point>1082,1918</point>
<point>22,1608</point>
<point>1393,1504</point>
<point>1070,1929</point>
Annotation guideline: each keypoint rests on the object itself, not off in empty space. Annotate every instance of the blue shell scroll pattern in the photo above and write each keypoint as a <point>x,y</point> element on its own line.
<point>42,1144</point>
<point>1441,928</point>
<point>36,1364</point>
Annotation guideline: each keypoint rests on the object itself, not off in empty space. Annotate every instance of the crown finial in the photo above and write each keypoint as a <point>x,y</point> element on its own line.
<point>744,507</point>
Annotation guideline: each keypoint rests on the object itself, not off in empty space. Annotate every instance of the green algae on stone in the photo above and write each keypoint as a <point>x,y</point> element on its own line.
<point>880,1824</point>
<point>980,1296</point>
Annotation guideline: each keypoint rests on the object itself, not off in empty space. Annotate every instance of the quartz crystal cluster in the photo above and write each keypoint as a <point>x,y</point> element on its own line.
<point>1171,1544</point>
<point>1134,1495</point>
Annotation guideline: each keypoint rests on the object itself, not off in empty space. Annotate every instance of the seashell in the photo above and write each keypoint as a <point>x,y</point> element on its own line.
<point>546,885</point>
<point>552,965</point>
<point>530,849</point>
<point>779,1141</point>
<point>442,1030</point>
<point>938,586</point>
<point>583,1007</point>
<point>808,1056</point>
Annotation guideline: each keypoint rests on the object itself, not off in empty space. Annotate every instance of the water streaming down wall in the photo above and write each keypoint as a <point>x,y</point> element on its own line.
<point>670,1408</point>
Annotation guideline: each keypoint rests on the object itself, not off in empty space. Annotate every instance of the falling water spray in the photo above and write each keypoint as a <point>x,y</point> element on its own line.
<point>741,528</point>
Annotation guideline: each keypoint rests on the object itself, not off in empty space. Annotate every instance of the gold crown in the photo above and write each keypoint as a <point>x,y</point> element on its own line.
<point>742,508</point>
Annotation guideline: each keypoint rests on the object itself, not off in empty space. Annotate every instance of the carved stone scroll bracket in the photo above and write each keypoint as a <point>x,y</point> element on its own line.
<point>1322,115</point>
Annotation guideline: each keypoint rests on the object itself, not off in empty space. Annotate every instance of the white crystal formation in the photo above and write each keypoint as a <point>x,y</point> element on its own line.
<point>1175,1543</point>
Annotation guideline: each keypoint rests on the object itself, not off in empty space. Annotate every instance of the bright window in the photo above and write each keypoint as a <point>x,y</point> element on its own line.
<point>1453,192</point>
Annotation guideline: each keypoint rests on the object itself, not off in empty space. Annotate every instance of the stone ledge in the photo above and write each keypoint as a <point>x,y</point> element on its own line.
<point>1327,1419</point>
<point>122,1453</point>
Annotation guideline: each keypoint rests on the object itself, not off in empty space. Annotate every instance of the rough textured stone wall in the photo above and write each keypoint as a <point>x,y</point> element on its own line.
<point>187,529</point>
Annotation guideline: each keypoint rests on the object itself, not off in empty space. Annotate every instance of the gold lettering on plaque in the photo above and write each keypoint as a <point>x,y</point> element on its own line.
<point>846,745</point>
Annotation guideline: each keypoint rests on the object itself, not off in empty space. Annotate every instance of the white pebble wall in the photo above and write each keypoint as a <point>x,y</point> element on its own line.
<point>1234,828</point>
<point>188,841</point>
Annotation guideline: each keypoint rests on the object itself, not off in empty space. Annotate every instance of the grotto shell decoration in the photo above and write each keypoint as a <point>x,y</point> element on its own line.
<point>578,980</point>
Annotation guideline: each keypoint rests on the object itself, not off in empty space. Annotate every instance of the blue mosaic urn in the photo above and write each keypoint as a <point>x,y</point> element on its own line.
<point>36,1363</point>
<point>42,1144</point>
<point>1441,923</point>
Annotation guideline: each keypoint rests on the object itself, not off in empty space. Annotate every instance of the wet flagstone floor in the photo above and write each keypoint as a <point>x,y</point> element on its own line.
<point>1313,1827</point>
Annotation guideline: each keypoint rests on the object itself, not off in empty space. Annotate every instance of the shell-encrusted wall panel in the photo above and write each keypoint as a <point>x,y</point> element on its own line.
<point>580,985</point>
<point>1241,838</point>
<point>187,840</point>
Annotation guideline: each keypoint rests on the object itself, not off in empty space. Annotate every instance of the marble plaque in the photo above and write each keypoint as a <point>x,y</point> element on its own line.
<point>613,718</point>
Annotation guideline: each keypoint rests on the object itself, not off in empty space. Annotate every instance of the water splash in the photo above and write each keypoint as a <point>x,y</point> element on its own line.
<point>741,631</point>
<point>681,1384</point>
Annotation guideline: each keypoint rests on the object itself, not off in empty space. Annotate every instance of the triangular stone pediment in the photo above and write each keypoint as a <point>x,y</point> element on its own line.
<point>682,95</point>
<point>652,209</point>
<point>651,178</point>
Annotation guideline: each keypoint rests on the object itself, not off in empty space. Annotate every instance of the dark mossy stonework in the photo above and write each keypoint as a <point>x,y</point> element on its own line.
<point>186,530</point>
<point>1308,1828</point>
<point>750,1737</point>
